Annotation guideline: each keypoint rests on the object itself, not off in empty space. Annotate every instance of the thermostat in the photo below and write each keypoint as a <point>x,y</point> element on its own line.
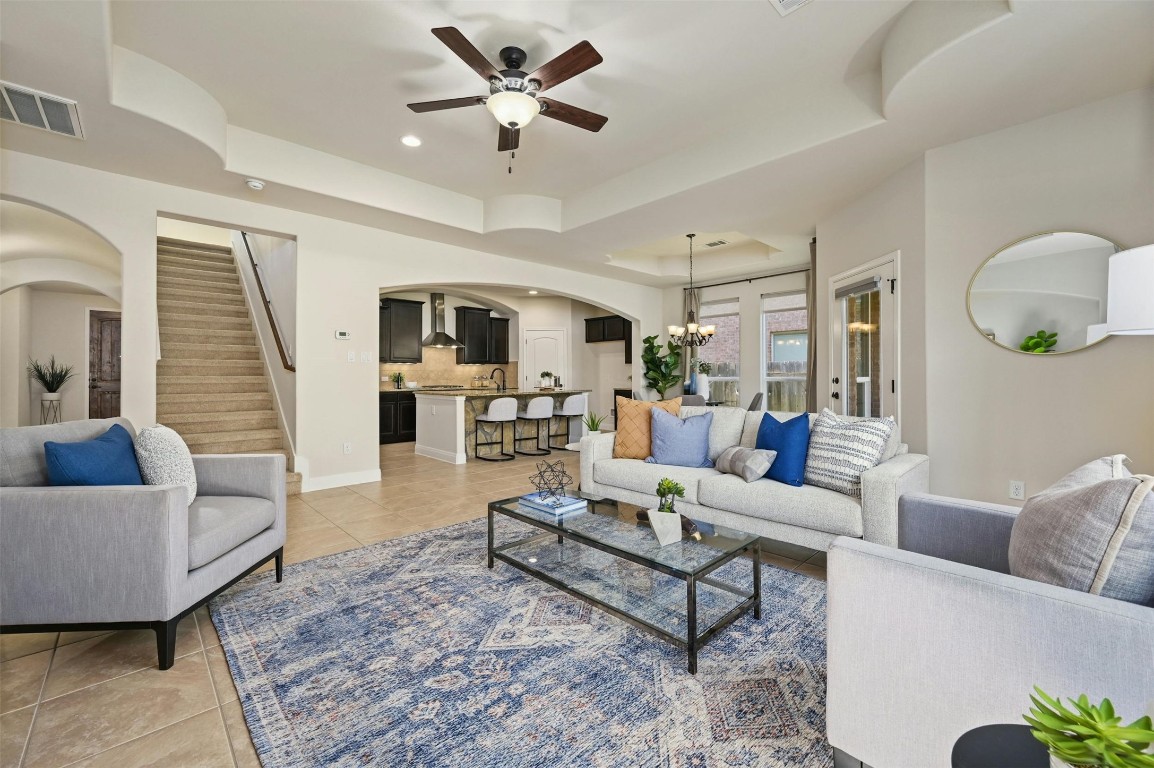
<point>343,335</point>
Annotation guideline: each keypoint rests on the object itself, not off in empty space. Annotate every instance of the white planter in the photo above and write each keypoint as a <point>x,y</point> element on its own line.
<point>703,385</point>
<point>594,432</point>
<point>49,397</point>
<point>666,525</point>
<point>1057,762</point>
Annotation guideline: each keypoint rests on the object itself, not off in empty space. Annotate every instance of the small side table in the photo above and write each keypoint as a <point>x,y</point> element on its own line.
<point>999,746</point>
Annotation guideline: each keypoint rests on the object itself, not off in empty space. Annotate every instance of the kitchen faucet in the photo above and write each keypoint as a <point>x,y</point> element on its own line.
<point>500,387</point>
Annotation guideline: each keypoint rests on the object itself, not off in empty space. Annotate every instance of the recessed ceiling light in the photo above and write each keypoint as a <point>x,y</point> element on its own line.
<point>410,141</point>
<point>532,293</point>
<point>254,184</point>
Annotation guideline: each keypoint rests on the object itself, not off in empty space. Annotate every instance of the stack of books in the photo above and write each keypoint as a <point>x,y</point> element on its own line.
<point>560,506</point>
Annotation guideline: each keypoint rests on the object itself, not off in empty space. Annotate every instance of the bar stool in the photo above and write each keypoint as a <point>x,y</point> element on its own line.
<point>574,405</point>
<point>502,410</point>
<point>539,409</point>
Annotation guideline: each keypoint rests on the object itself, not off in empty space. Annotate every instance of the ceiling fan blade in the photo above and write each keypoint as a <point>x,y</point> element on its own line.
<point>573,62</point>
<point>509,138</point>
<point>567,113</point>
<point>433,106</point>
<point>452,37</point>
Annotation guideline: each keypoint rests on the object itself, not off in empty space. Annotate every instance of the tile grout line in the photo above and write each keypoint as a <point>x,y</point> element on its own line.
<point>137,738</point>
<point>215,693</point>
<point>36,706</point>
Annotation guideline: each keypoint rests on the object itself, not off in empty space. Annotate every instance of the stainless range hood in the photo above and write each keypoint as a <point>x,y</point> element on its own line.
<point>438,338</point>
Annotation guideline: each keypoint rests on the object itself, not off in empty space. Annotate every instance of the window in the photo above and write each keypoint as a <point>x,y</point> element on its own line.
<point>785,329</point>
<point>723,352</point>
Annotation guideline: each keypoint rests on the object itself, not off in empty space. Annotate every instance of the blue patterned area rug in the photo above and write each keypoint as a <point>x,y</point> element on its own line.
<point>412,652</point>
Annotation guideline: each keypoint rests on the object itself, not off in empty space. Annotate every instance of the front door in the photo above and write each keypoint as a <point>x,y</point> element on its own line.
<point>103,364</point>
<point>864,329</point>
<point>545,350</point>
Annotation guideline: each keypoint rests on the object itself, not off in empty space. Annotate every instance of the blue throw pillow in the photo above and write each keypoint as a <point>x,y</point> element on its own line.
<point>679,442</point>
<point>108,460</point>
<point>791,441</point>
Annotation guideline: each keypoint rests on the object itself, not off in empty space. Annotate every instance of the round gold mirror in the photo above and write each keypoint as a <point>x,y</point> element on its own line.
<point>1044,294</point>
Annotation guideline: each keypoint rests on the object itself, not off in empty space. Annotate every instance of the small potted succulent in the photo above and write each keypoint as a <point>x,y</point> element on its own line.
<point>665,520</point>
<point>52,377</point>
<point>592,422</point>
<point>398,379</point>
<point>1039,343</point>
<point>1089,734</point>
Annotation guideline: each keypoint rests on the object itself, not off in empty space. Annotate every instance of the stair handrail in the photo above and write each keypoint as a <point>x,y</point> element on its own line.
<point>285,353</point>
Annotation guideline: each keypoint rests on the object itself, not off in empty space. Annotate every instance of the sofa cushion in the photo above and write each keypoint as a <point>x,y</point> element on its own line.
<point>22,463</point>
<point>165,459</point>
<point>1092,531</point>
<point>220,524</point>
<point>791,441</point>
<point>679,442</point>
<point>819,509</point>
<point>726,429</point>
<point>633,426</point>
<point>840,450</point>
<point>747,463</point>
<point>106,460</point>
<point>638,476</point>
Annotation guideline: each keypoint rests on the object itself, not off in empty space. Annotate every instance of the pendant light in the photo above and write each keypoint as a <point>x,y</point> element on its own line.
<point>691,334</point>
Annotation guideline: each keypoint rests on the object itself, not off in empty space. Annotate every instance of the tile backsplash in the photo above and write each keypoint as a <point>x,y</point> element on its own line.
<point>439,366</point>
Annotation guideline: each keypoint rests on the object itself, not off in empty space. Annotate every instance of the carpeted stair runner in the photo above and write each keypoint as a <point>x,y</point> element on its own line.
<point>210,381</point>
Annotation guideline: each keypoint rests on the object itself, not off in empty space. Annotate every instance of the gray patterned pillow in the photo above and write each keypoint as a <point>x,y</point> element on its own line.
<point>747,463</point>
<point>839,451</point>
<point>165,459</point>
<point>1092,531</point>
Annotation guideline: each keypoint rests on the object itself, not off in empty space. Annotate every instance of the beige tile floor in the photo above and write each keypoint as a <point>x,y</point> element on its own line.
<point>97,699</point>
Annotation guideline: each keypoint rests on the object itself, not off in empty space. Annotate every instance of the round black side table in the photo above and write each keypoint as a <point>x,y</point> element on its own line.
<point>999,746</point>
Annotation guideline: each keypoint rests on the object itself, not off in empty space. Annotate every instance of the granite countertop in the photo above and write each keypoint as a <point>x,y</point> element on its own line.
<point>493,392</point>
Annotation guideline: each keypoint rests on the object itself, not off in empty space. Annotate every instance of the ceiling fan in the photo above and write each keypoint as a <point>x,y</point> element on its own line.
<point>513,98</point>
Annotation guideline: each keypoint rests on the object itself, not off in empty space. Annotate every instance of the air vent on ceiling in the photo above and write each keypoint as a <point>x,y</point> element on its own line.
<point>786,7</point>
<point>37,109</point>
<point>716,243</point>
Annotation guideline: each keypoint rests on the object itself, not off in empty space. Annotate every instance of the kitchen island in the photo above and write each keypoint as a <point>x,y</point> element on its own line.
<point>446,420</point>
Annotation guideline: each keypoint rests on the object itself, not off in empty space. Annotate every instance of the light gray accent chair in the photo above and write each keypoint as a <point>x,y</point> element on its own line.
<point>935,638</point>
<point>86,558</point>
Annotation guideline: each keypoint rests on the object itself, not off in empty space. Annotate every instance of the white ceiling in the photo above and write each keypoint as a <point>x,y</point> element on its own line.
<point>723,116</point>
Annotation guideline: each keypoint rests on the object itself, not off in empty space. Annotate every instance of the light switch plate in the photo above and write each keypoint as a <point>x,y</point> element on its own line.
<point>366,357</point>
<point>352,356</point>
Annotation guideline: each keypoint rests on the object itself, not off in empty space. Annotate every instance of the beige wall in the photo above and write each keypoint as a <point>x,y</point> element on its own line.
<point>997,415</point>
<point>890,218</point>
<point>341,269</point>
<point>15,320</point>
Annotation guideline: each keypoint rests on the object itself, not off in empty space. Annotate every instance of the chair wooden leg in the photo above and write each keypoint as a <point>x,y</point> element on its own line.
<point>166,641</point>
<point>279,565</point>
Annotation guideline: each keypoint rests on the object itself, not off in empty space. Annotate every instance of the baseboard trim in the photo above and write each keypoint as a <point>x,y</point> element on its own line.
<point>324,482</point>
<point>439,455</point>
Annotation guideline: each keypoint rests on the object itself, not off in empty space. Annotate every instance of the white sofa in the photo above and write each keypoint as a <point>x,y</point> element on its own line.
<point>809,516</point>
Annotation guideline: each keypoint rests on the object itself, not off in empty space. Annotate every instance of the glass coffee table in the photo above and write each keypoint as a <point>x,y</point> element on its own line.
<point>604,557</point>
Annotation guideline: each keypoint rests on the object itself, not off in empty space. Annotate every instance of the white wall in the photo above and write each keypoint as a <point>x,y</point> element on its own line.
<point>995,415</point>
<point>15,320</point>
<point>59,326</point>
<point>341,269</point>
<point>193,232</point>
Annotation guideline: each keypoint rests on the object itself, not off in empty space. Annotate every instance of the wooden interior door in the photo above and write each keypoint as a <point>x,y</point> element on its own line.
<point>103,364</point>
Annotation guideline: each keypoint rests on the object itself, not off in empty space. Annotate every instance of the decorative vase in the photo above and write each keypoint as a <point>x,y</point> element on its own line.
<point>702,387</point>
<point>594,432</point>
<point>1057,762</point>
<point>666,526</point>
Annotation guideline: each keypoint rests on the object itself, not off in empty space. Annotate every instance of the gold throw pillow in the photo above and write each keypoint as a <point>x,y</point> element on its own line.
<point>633,426</point>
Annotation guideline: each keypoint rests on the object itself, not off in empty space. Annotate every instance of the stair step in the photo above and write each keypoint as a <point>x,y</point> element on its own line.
<point>232,442</point>
<point>172,242</point>
<point>165,294</point>
<point>167,384</point>
<point>165,283</point>
<point>198,265</point>
<point>182,351</point>
<point>202,308</point>
<point>179,321</point>
<point>170,335</point>
<point>199,275</point>
<point>222,421</point>
<point>208,367</point>
<point>200,256</point>
<point>168,406</point>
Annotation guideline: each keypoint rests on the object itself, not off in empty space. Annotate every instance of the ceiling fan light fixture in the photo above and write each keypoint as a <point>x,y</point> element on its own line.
<point>513,109</point>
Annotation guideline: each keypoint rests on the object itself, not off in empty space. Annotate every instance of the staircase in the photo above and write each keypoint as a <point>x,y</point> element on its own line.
<point>210,381</point>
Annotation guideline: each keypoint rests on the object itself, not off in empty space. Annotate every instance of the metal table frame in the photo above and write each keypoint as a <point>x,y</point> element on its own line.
<point>695,640</point>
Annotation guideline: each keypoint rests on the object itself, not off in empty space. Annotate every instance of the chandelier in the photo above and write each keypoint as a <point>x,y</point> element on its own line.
<point>691,334</point>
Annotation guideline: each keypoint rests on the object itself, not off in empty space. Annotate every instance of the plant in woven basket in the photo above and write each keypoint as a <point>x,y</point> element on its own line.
<point>1090,734</point>
<point>1039,343</point>
<point>661,370</point>
<point>52,376</point>
<point>667,491</point>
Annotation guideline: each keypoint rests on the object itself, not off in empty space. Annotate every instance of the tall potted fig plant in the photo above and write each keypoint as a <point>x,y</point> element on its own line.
<point>661,369</point>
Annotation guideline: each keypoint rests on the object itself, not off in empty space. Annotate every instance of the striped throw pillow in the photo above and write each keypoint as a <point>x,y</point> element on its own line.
<point>839,451</point>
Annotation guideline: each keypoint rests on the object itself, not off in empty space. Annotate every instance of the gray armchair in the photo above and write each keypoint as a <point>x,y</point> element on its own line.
<point>128,557</point>
<point>935,638</point>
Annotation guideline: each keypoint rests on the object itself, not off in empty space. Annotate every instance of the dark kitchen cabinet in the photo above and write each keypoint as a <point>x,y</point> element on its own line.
<point>401,326</point>
<point>611,328</point>
<point>498,340</point>
<point>474,331</point>
<point>398,417</point>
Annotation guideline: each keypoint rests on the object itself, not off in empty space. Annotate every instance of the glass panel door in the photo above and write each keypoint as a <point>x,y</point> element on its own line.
<point>863,371</point>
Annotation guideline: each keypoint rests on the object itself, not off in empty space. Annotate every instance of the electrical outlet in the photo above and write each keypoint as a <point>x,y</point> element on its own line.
<point>1018,489</point>
<point>347,447</point>
<point>352,356</point>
